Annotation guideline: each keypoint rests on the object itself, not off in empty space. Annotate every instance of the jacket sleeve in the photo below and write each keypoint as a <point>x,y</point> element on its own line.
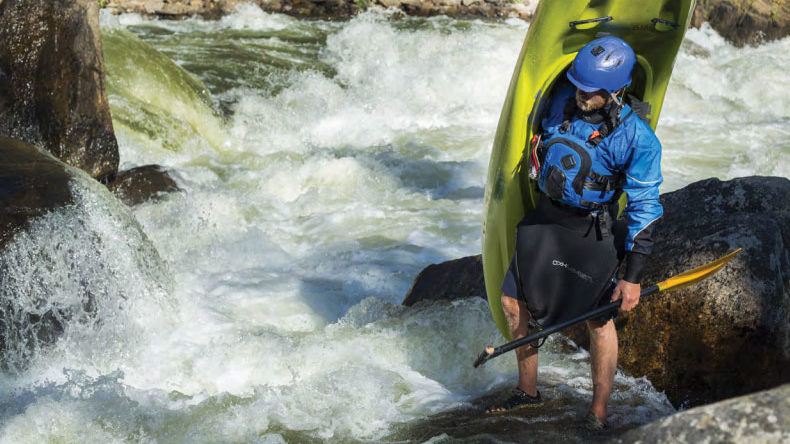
<point>642,176</point>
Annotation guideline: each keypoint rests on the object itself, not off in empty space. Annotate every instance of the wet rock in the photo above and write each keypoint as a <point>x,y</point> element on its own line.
<point>745,22</point>
<point>52,82</point>
<point>762,417</point>
<point>730,334</point>
<point>455,279</point>
<point>32,183</point>
<point>143,183</point>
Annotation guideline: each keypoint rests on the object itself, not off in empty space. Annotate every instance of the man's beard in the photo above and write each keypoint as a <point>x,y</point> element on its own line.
<point>589,105</point>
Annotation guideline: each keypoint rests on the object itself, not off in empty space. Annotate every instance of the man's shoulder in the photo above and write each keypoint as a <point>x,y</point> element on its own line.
<point>639,130</point>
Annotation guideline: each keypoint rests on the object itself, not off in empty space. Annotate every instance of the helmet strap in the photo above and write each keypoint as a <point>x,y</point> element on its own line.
<point>617,100</point>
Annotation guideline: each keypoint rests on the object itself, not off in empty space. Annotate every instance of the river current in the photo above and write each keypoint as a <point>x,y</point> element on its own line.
<point>323,165</point>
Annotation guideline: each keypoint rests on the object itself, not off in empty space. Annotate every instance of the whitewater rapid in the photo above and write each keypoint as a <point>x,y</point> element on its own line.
<point>324,164</point>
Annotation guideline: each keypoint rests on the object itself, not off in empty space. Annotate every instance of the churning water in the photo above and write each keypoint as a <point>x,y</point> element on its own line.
<point>324,164</point>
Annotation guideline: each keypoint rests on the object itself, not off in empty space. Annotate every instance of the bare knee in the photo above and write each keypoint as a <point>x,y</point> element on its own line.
<point>515,311</point>
<point>601,329</point>
<point>510,304</point>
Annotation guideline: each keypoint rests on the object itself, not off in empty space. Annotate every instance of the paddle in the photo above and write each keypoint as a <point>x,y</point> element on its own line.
<point>676,282</point>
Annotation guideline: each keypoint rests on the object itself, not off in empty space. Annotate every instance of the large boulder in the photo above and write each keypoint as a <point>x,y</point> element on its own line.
<point>730,334</point>
<point>745,22</point>
<point>52,82</point>
<point>762,417</point>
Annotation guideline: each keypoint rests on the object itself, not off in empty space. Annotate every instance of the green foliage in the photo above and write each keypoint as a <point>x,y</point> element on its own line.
<point>103,3</point>
<point>362,4</point>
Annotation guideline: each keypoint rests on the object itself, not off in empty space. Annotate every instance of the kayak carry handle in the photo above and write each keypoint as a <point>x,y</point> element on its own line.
<point>595,20</point>
<point>673,25</point>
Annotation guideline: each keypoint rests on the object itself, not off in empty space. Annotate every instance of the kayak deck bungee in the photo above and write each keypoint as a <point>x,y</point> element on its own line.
<point>654,29</point>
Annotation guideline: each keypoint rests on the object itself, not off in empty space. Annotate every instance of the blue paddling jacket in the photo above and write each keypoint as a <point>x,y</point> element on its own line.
<point>633,153</point>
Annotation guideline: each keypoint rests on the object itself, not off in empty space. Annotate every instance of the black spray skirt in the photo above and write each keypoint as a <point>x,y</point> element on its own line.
<point>565,262</point>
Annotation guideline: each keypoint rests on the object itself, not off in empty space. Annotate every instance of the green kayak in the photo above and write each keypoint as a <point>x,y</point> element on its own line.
<point>654,29</point>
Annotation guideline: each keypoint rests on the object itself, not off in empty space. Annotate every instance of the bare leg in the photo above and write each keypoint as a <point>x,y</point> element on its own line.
<point>603,363</point>
<point>526,356</point>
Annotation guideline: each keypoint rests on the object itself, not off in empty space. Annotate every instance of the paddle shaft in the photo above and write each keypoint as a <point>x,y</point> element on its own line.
<point>485,356</point>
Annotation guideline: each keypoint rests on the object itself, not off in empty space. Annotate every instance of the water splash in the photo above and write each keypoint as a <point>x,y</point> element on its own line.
<point>76,272</point>
<point>726,112</point>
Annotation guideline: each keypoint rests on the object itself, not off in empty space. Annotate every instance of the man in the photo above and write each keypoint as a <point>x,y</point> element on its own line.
<point>567,251</point>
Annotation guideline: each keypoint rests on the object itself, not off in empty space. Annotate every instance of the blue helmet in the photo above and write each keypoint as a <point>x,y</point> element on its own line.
<point>605,63</point>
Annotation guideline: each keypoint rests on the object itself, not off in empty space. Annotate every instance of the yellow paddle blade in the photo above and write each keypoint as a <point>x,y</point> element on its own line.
<point>696,274</point>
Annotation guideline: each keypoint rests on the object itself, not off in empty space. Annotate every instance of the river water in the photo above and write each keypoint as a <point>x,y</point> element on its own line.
<point>324,164</point>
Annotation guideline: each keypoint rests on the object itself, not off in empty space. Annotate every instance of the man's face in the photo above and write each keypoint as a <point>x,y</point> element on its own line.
<point>593,100</point>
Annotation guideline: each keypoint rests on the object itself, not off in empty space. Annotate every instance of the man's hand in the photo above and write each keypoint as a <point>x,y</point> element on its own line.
<point>629,292</point>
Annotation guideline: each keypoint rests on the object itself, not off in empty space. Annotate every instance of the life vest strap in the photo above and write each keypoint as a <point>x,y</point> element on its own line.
<point>600,182</point>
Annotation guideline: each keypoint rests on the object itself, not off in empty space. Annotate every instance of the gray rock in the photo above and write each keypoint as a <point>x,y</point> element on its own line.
<point>762,417</point>
<point>456,279</point>
<point>52,82</point>
<point>141,184</point>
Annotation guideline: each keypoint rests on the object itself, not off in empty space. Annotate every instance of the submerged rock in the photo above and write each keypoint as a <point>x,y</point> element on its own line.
<point>143,183</point>
<point>726,336</point>
<point>456,279</point>
<point>762,417</point>
<point>73,259</point>
<point>52,82</point>
<point>32,183</point>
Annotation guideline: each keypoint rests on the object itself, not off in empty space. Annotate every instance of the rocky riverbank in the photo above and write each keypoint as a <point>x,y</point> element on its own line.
<point>332,9</point>
<point>741,22</point>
